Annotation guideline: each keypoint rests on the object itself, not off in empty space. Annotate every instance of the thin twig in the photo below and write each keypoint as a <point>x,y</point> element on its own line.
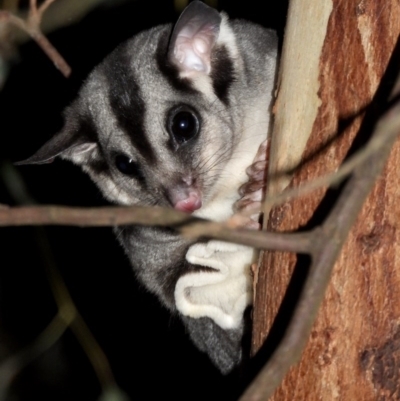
<point>15,363</point>
<point>31,25</point>
<point>67,316</point>
<point>32,5</point>
<point>290,242</point>
<point>88,342</point>
<point>90,217</point>
<point>373,146</point>
<point>188,225</point>
<point>43,7</point>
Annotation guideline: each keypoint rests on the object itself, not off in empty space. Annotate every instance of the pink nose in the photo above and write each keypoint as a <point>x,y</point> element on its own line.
<point>189,204</point>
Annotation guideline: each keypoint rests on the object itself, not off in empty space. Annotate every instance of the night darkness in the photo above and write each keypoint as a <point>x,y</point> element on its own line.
<point>150,355</point>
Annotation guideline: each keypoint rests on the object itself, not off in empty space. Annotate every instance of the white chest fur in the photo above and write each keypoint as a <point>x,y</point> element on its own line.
<point>223,293</point>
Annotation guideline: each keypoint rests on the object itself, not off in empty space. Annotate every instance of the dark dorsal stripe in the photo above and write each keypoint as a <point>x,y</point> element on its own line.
<point>126,101</point>
<point>222,73</point>
<point>86,131</point>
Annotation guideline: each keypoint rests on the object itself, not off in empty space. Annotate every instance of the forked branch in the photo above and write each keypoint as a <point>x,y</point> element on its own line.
<point>31,25</point>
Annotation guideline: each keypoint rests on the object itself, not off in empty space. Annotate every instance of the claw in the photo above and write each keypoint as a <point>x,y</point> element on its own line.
<point>252,191</point>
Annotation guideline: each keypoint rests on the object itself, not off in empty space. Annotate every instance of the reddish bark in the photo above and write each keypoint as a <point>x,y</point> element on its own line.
<point>354,349</point>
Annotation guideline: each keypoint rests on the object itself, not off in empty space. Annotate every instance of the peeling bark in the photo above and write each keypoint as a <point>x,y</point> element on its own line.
<point>354,348</point>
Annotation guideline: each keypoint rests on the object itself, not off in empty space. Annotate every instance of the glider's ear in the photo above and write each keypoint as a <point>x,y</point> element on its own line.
<point>193,39</point>
<point>75,142</point>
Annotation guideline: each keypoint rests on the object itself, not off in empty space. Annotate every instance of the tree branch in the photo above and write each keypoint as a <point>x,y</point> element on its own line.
<point>31,25</point>
<point>326,250</point>
<point>373,146</point>
<point>188,225</point>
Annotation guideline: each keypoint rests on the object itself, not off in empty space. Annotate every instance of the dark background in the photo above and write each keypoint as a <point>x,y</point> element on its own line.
<point>149,352</point>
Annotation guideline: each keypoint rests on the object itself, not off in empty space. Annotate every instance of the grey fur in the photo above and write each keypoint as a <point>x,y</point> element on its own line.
<point>123,108</point>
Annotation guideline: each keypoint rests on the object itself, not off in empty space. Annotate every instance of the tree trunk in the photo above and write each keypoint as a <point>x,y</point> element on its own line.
<point>335,55</point>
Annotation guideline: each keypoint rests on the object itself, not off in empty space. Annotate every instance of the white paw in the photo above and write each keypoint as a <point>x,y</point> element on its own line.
<point>222,294</point>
